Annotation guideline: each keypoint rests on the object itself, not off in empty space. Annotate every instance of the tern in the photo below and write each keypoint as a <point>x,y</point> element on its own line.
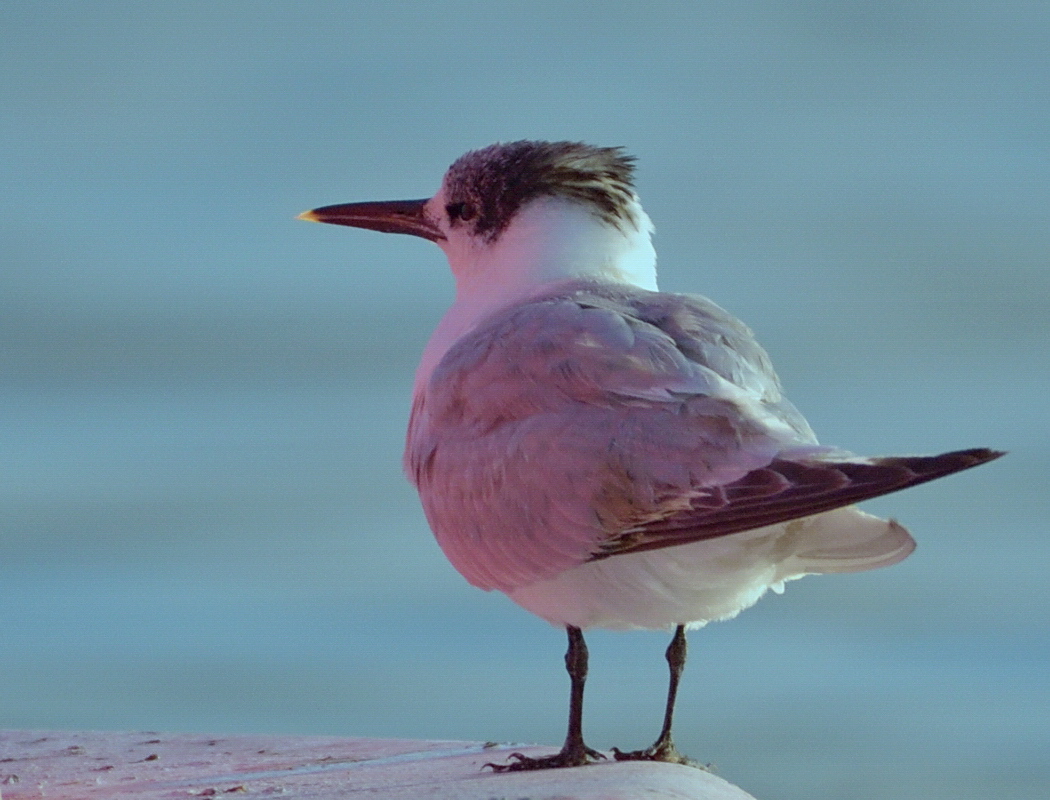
<point>607,454</point>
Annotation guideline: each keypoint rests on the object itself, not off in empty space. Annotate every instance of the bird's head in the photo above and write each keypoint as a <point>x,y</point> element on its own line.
<point>525,213</point>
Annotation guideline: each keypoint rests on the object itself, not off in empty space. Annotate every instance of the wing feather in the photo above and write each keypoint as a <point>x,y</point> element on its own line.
<point>599,419</point>
<point>788,490</point>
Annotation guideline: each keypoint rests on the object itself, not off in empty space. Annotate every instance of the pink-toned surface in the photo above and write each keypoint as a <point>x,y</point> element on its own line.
<point>151,766</point>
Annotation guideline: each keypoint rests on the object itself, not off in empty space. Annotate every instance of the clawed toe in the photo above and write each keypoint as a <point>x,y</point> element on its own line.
<point>574,757</point>
<point>665,752</point>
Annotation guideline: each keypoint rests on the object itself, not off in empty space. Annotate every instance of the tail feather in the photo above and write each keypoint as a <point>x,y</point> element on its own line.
<point>844,540</point>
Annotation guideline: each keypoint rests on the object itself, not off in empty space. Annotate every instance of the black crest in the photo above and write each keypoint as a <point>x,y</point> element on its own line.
<point>486,187</point>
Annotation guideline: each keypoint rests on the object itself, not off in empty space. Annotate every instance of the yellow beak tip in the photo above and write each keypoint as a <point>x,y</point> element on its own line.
<point>309,216</point>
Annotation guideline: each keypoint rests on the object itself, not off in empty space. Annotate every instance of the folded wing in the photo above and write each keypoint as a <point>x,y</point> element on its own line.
<point>601,419</point>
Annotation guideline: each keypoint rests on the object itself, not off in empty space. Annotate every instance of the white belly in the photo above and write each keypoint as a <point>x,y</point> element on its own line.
<point>716,579</point>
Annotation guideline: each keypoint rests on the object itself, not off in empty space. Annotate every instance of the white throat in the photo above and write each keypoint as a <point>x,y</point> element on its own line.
<point>549,241</point>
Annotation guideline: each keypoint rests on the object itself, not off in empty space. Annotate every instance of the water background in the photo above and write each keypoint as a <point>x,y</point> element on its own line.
<point>203,525</point>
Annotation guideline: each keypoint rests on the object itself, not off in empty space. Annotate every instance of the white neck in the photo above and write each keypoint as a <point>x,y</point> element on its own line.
<point>552,240</point>
<point>549,241</point>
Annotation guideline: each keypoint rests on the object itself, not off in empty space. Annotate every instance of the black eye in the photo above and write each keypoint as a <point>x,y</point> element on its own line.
<point>460,211</point>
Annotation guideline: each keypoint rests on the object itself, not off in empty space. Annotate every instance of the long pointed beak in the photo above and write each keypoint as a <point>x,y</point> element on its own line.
<point>391,216</point>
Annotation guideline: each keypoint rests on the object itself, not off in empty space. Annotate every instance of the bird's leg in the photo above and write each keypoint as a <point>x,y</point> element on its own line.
<point>663,748</point>
<point>574,753</point>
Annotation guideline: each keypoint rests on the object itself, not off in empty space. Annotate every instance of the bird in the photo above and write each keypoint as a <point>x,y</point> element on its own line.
<point>607,454</point>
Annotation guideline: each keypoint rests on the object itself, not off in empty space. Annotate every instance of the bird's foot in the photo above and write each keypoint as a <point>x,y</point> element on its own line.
<point>662,750</point>
<point>575,756</point>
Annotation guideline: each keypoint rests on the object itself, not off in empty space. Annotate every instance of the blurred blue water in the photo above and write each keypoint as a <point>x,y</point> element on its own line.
<point>204,525</point>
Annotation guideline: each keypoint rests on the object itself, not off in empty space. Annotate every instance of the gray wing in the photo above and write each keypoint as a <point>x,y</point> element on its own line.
<point>600,420</point>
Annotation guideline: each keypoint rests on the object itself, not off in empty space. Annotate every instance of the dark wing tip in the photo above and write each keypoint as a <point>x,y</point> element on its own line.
<point>787,490</point>
<point>944,463</point>
<point>982,455</point>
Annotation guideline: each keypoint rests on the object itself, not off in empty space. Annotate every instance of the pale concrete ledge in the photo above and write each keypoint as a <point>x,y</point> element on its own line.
<point>151,766</point>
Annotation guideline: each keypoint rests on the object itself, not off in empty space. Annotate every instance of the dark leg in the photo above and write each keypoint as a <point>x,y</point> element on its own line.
<point>663,748</point>
<point>574,753</point>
